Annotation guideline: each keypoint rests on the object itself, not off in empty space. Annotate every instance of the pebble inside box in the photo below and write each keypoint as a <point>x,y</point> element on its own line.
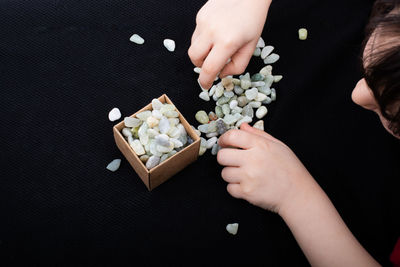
<point>165,170</point>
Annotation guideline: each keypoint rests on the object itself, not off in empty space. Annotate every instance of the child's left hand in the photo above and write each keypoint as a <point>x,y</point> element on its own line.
<point>261,169</point>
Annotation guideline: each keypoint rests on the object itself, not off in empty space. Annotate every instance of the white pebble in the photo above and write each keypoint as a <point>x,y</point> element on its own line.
<point>163,125</point>
<point>197,70</point>
<point>114,165</point>
<point>136,39</point>
<point>260,43</point>
<point>114,114</point>
<point>233,104</point>
<point>259,125</point>
<point>246,119</point>
<point>211,142</point>
<point>266,51</point>
<point>126,132</point>
<point>152,162</point>
<point>232,228</point>
<point>261,112</point>
<point>143,115</point>
<point>137,147</point>
<point>255,104</point>
<point>273,94</point>
<point>131,122</point>
<point>156,104</point>
<point>277,78</point>
<point>152,122</point>
<point>260,97</point>
<point>169,44</point>
<point>162,140</point>
<point>212,90</point>
<point>156,114</point>
<point>204,95</point>
<point>271,58</point>
<point>251,93</point>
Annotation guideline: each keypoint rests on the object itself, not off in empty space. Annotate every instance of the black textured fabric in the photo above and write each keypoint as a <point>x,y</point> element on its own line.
<point>65,64</point>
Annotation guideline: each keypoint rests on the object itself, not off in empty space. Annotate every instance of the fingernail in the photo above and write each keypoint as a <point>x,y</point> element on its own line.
<point>198,80</point>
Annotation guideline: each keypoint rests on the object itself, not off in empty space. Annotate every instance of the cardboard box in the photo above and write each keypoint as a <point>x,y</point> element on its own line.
<point>162,172</point>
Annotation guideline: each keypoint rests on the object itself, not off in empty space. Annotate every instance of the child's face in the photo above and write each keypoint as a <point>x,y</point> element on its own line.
<point>362,95</point>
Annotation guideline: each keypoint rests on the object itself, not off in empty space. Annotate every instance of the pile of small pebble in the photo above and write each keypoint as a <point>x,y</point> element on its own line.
<point>236,99</point>
<point>156,134</point>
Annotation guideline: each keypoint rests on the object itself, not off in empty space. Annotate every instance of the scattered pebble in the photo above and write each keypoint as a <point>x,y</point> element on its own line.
<point>238,100</point>
<point>136,39</point>
<point>114,114</point>
<point>114,165</point>
<point>232,228</point>
<point>169,44</point>
<point>303,34</point>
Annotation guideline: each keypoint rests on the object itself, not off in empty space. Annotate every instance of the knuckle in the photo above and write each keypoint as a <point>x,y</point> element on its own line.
<point>231,135</point>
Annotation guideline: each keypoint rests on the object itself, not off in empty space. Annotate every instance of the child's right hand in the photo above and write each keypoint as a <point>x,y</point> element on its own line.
<point>262,170</point>
<point>226,29</point>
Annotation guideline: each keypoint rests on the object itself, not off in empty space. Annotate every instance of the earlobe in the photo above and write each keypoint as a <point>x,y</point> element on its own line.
<point>363,96</point>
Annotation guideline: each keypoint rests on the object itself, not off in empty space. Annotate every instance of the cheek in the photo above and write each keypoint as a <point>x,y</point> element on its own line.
<point>363,96</point>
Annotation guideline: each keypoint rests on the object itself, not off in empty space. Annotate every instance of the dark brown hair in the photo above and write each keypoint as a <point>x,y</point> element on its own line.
<point>382,61</point>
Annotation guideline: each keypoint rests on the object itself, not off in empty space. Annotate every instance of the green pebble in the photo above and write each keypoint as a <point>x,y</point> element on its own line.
<point>135,132</point>
<point>223,100</point>
<point>257,77</point>
<point>218,111</point>
<point>202,117</point>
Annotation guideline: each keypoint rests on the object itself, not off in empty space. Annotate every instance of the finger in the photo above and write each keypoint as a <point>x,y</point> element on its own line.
<point>231,174</point>
<point>230,157</point>
<point>238,139</point>
<point>234,190</point>
<point>195,34</point>
<point>239,60</point>
<point>213,64</point>
<point>198,50</point>
<point>249,129</point>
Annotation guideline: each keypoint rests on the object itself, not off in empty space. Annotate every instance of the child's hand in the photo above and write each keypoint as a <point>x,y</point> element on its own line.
<point>226,29</point>
<point>261,169</point>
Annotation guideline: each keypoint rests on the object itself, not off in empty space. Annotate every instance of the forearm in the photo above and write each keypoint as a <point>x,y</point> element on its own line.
<point>320,231</point>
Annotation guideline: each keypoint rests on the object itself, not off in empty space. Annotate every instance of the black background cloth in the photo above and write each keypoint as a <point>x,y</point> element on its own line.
<point>65,64</point>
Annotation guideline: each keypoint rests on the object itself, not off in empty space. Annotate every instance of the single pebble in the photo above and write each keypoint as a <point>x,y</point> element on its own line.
<point>137,147</point>
<point>163,158</point>
<point>223,100</point>
<point>202,117</point>
<point>238,90</point>
<point>171,114</point>
<point>202,150</point>
<point>211,142</point>
<point>233,104</point>
<point>169,44</point>
<point>162,140</point>
<point>265,90</point>
<point>255,104</point>
<point>114,165</point>
<point>215,148</point>
<point>273,94</point>
<point>219,90</point>
<point>266,51</point>
<point>260,43</point>
<point>212,116</point>
<point>267,101</point>
<point>257,77</point>
<point>126,132</point>
<point>248,111</point>
<point>258,84</point>
<point>303,34</point>
<point>212,90</point>
<point>227,83</point>
<point>152,162</point>
<point>261,112</point>
<point>221,127</point>
<point>277,78</point>
<point>156,104</point>
<point>205,96</point>
<point>245,119</point>
<point>271,58</point>
<point>267,70</point>
<point>203,128</point>
<point>229,94</point>
<point>209,135</point>
<point>197,70</point>
<point>177,143</point>
<point>144,158</point>
<point>269,79</point>
<point>226,109</point>
<point>156,114</point>
<point>152,122</point>
<point>257,52</point>
<point>251,94</point>
<point>260,97</point>
<point>136,39</point>
<point>218,112</point>
<point>259,125</point>
<point>143,115</point>
<point>242,101</point>
<point>232,228</point>
<point>114,114</point>
<point>163,125</point>
<point>212,126</point>
<point>131,122</point>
